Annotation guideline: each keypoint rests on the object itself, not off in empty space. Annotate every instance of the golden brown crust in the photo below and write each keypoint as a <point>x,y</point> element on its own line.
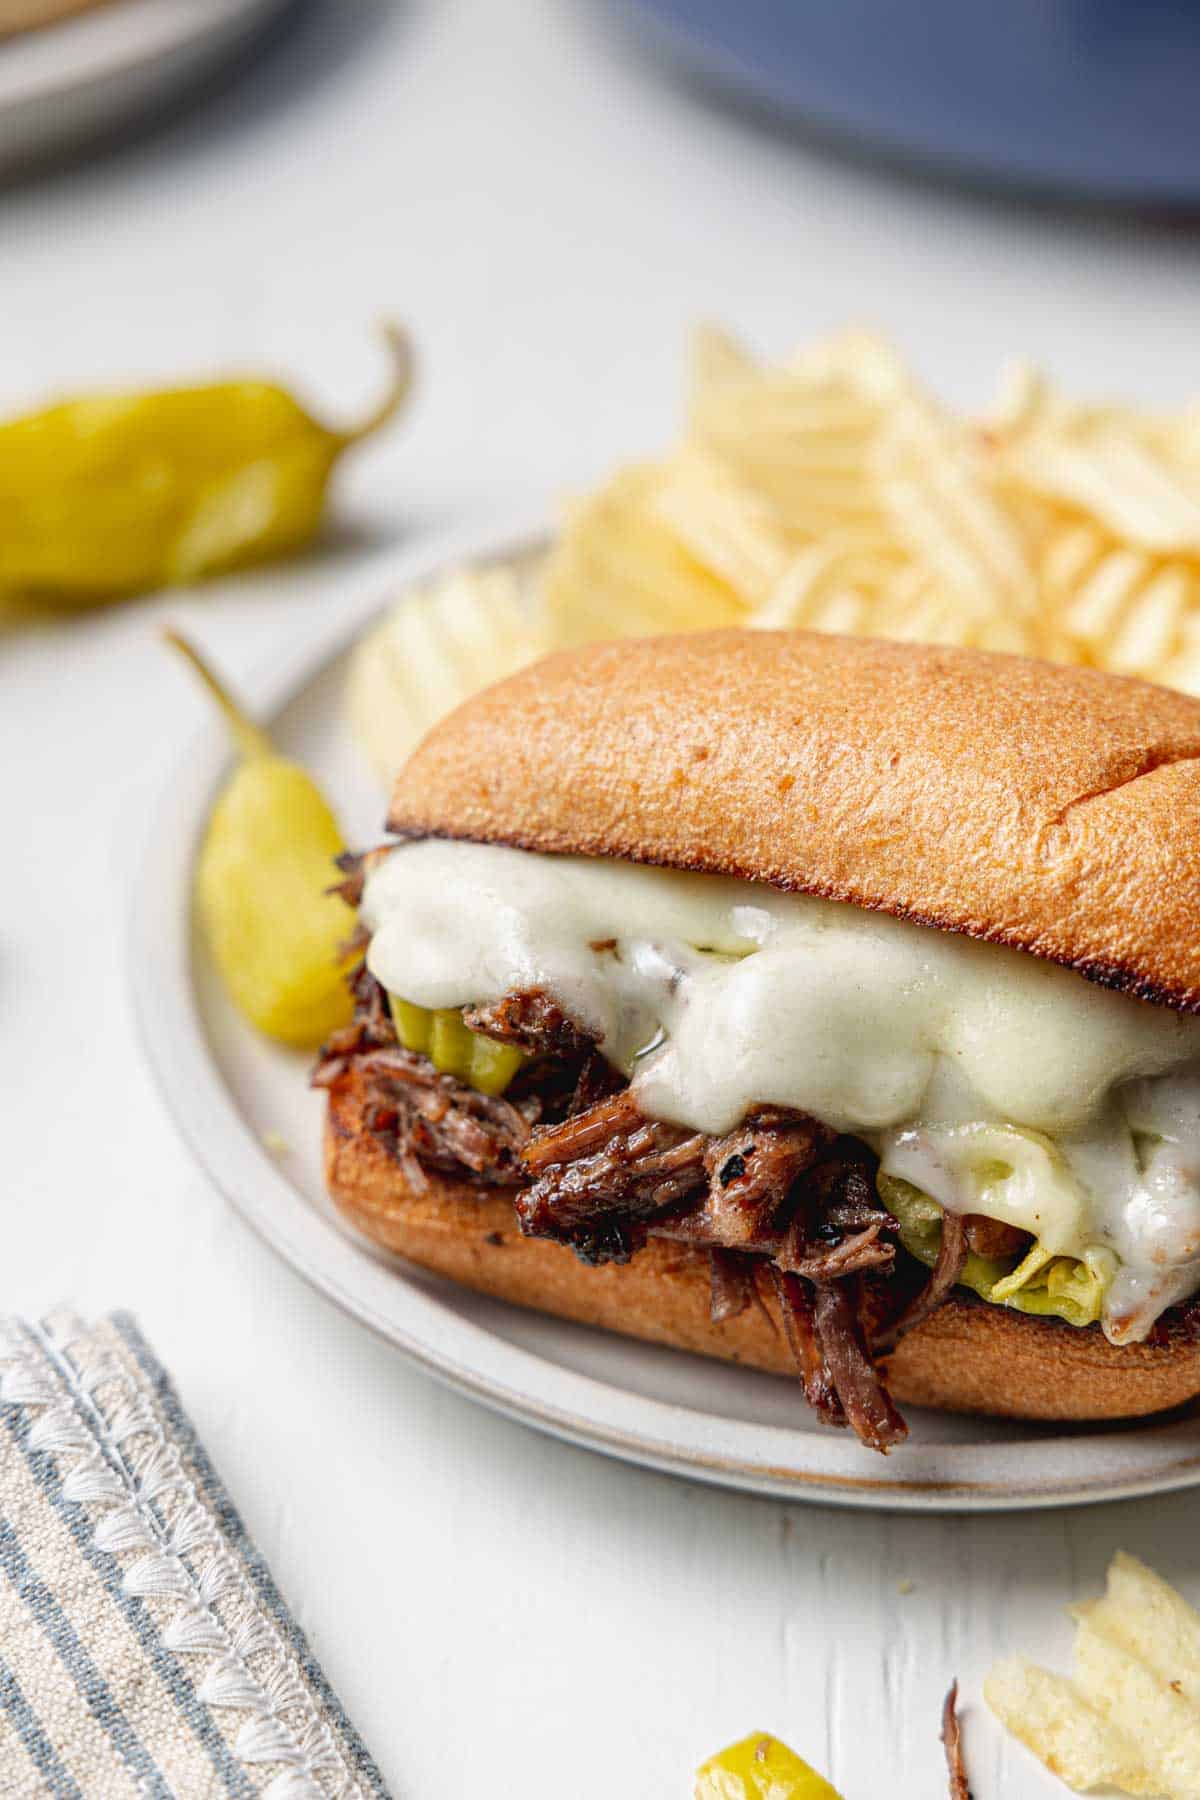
<point>1054,809</point>
<point>967,1358</point>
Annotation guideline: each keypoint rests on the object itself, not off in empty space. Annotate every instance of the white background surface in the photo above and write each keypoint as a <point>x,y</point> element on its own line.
<point>501,1614</point>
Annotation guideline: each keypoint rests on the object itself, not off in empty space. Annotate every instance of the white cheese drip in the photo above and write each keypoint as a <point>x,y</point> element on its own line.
<point>995,1081</point>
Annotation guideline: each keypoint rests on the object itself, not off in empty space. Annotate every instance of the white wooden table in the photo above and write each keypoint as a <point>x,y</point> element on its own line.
<point>501,1613</point>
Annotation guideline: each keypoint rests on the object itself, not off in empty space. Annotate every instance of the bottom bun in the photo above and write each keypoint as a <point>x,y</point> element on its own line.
<point>968,1357</point>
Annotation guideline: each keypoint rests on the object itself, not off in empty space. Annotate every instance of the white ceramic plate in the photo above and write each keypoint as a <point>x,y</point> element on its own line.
<point>67,82</point>
<point>228,1090</point>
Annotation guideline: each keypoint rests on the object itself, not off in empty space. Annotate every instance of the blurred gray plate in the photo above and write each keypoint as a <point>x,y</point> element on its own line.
<point>70,82</point>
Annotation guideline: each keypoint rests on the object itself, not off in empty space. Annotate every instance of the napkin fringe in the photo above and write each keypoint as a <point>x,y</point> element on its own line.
<point>114,1457</point>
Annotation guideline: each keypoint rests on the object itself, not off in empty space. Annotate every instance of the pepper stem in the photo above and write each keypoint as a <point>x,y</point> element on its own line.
<point>399,346</point>
<point>250,738</point>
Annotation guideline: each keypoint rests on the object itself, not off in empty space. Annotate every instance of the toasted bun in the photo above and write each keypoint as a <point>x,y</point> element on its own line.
<point>1054,809</point>
<point>968,1357</point>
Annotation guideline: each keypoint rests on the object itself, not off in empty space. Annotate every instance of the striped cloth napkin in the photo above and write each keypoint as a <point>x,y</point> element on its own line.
<point>144,1648</point>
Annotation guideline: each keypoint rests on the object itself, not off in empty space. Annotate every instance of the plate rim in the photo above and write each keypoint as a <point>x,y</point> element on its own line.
<point>54,60</point>
<point>584,1409</point>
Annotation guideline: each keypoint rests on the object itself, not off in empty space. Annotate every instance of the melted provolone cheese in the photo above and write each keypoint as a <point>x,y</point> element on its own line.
<point>996,1082</point>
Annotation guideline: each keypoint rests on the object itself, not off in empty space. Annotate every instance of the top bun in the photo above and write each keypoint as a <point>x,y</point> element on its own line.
<point>1053,809</point>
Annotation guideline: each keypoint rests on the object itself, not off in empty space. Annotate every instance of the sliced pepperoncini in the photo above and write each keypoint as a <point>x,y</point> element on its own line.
<point>482,1062</point>
<point>276,933</point>
<point>414,1024</point>
<point>110,495</point>
<point>760,1767</point>
<point>1057,1287</point>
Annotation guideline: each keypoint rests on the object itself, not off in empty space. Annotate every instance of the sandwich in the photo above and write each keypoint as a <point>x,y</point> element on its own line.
<point>821,1004</point>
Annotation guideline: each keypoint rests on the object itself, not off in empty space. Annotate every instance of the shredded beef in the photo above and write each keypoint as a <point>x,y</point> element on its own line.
<point>534,1022</point>
<point>781,1200</point>
<point>606,1166</point>
<point>839,1227</point>
<point>952,1256</point>
<point>750,1173</point>
<point>750,1190</point>
<point>566,1071</point>
<point>584,1133</point>
<point>1181,1325</point>
<point>745,1179</point>
<point>731,1284</point>
<point>993,1238</point>
<point>795,1300</point>
<point>781,1191</point>
<point>859,1386</point>
<point>370,1029</point>
<point>952,1743</point>
<point>828,1332</point>
<point>415,1112</point>
<point>864,1250</point>
<point>353,865</point>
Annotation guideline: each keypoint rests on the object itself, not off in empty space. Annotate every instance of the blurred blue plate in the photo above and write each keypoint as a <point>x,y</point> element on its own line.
<point>1093,97</point>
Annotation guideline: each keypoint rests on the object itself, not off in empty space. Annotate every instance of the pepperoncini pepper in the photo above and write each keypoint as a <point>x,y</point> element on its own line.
<point>109,495</point>
<point>1059,1287</point>
<point>760,1768</point>
<point>483,1062</point>
<point>276,933</point>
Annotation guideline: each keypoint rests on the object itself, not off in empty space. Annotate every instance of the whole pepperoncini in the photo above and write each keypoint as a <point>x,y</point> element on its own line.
<point>760,1768</point>
<point>109,495</point>
<point>275,931</point>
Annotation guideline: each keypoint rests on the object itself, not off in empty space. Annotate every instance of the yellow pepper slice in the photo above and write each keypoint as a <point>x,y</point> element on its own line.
<point>276,934</point>
<point>493,1064</point>
<point>450,1043</point>
<point>109,495</point>
<point>1056,1287</point>
<point>760,1767</point>
<point>484,1063</point>
<point>414,1024</point>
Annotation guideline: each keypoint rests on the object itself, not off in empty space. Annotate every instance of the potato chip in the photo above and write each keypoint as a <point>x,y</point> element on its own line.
<point>1022,400</point>
<point>1164,1725</point>
<point>716,357</point>
<point>938,488</point>
<point>1182,670</point>
<point>1144,1614</point>
<point>1028,406</point>
<point>832,492</point>
<point>1103,592</point>
<point>724,524</point>
<point>619,570</point>
<point>860,360</point>
<point>1111,477</point>
<point>434,648</point>
<point>1131,1716</point>
<point>1150,629</point>
<point>1048,1714</point>
<point>863,562</point>
<point>801,434</point>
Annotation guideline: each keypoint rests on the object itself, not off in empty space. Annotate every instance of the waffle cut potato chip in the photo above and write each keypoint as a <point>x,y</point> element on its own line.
<point>834,492</point>
<point>830,492</point>
<point>1129,1718</point>
<point>1118,545</point>
<point>621,568</point>
<point>435,647</point>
